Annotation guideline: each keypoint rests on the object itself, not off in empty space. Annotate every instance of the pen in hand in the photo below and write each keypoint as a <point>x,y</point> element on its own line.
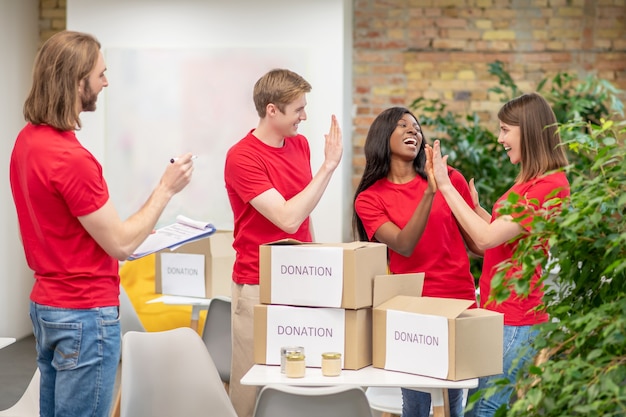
<point>176,159</point>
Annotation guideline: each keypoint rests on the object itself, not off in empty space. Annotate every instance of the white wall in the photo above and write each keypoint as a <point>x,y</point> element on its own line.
<point>19,37</point>
<point>321,26</point>
<point>318,27</point>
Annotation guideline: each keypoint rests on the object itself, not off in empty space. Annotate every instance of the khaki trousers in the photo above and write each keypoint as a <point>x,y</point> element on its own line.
<point>244,298</point>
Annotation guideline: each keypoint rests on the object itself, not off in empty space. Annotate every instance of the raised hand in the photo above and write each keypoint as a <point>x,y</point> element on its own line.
<point>333,148</point>
<point>430,171</point>
<point>440,167</point>
<point>474,193</point>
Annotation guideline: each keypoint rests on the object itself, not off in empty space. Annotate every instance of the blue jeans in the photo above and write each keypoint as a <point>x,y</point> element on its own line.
<point>417,404</point>
<point>517,341</point>
<point>78,352</point>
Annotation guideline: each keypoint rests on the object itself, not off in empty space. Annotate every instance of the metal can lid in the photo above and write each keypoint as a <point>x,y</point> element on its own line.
<point>295,357</point>
<point>286,350</point>
<point>331,355</point>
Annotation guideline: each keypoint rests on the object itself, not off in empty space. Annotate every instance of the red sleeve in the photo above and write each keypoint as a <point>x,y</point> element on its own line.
<point>535,193</point>
<point>78,178</point>
<point>247,174</point>
<point>370,209</point>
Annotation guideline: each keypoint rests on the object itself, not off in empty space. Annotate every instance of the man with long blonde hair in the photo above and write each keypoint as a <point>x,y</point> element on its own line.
<point>72,235</point>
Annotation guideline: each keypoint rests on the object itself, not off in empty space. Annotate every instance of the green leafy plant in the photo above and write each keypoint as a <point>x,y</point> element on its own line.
<point>582,367</point>
<point>586,100</point>
<point>473,149</point>
<point>583,371</point>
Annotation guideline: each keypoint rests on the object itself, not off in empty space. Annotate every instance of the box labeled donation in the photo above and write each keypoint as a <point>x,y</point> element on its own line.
<point>202,268</point>
<point>336,275</point>
<point>317,329</point>
<point>437,337</point>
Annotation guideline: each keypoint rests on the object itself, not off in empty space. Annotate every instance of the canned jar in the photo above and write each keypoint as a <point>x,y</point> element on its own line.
<point>288,350</point>
<point>331,363</point>
<point>295,365</point>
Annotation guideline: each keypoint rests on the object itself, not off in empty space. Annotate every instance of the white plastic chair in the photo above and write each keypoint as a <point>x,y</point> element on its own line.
<point>385,400</point>
<point>129,319</point>
<point>334,401</point>
<point>170,373</point>
<point>217,337</point>
<point>28,404</point>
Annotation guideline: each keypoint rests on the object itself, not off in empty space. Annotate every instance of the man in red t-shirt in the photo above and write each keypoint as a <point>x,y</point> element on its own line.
<point>272,192</point>
<point>71,232</point>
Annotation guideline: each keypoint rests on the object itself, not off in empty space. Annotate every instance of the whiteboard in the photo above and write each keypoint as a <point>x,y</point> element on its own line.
<point>169,101</point>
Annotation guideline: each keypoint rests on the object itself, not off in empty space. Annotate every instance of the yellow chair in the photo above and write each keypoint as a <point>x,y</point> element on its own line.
<point>138,279</point>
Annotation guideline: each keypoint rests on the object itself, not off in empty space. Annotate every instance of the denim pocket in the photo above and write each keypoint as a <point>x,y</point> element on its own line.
<point>65,338</point>
<point>110,322</point>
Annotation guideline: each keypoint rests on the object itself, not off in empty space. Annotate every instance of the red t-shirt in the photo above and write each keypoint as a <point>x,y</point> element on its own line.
<point>251,168</point>
<point>520,311</point>
<point>54,180</point>
<point>440,253</point>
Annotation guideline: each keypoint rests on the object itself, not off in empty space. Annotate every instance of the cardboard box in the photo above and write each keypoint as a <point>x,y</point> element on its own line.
<point>437,337</point>
<point>338,275</point>
<point>317,329</point>
<point>202,268</point>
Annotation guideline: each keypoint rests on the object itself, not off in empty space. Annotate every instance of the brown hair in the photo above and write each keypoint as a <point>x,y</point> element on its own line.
<point>62,62</point>
<point>540,141</point>
<point>280,87</point>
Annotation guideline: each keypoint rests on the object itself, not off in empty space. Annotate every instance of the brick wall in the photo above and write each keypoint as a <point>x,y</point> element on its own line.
<point>52,18</point>
<point>405,49</point>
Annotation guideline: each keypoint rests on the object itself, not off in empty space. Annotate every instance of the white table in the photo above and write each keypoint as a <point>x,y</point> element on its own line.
<point>197,305</point>
<point>6,341</point>
<point>366,377</point>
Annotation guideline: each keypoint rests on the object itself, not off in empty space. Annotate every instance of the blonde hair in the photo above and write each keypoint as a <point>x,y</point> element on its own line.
<point>62,62</point>
<point>280,87</point>
<point>540,141</point>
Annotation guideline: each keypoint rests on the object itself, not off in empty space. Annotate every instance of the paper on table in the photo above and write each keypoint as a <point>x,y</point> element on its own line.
<point>183,231</point>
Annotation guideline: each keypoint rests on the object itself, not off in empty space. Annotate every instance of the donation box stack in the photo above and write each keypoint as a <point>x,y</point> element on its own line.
<point>318,296</point>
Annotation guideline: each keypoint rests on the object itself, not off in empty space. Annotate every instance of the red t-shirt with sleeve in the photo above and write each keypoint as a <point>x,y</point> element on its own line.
<point>521,311</point>
<point>251,168</point>
<point>440,253</point>
<point>54,180</point>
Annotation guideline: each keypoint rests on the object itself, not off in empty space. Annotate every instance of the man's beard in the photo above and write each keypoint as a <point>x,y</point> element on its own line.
<point>88,98</point>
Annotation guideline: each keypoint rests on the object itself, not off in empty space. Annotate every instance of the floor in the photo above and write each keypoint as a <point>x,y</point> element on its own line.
<point>17,366</point>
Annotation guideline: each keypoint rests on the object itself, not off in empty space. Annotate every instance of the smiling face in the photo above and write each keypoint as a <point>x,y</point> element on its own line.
<point>406,139</point>
<point>287,121</point>
<point>509,137</point>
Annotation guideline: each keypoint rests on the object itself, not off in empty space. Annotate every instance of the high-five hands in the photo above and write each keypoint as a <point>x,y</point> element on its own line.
<point>440,167</point>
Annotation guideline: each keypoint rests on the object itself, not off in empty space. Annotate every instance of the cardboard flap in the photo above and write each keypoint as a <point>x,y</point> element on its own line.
<point>388,286</point>
<point>222,244</point>
<point>446,307</point>
<point>356,245</point>
<point>285,242</point>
